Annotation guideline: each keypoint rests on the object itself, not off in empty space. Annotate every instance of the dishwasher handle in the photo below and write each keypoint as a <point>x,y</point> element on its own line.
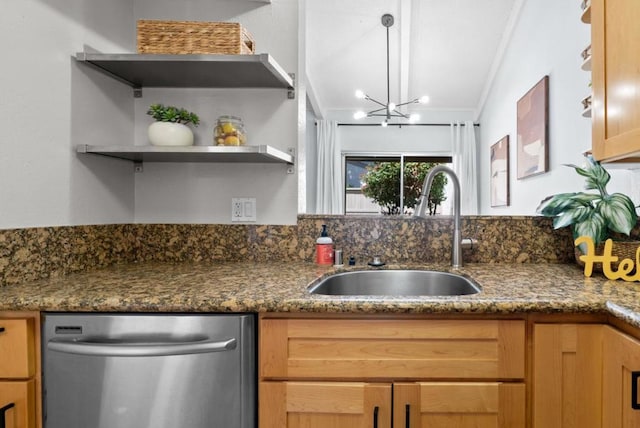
<point>139,349</point>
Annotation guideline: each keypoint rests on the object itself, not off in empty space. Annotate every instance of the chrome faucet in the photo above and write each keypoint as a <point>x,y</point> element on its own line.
<point>456,245</point>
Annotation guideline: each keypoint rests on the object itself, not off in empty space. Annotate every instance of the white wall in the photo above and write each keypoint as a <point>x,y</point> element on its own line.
<point>202,192</point>
<point>547,40</point>
<point>431,140</point>
<point>48,104</point>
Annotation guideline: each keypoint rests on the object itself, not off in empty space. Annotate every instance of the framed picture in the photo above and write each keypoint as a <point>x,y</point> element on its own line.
<point>500,173</point>
<point>533,130</point>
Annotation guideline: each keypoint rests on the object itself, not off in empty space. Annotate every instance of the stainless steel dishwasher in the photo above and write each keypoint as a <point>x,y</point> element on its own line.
<point>144,371</point>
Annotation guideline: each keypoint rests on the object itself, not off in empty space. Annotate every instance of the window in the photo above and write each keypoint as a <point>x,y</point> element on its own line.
<point>389,184</point>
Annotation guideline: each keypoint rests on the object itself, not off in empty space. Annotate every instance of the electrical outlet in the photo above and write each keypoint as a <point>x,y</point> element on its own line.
<point>243,209</point>
<point>237,209</point>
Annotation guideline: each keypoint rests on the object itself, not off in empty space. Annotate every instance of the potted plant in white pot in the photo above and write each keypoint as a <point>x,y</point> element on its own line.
<point>170,128</point>
<point>598,214</point>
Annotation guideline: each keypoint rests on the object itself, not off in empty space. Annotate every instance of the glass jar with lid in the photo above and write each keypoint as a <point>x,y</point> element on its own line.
<point>229,131</point>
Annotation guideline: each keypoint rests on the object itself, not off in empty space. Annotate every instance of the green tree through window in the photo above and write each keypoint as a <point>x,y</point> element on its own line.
<point>382,184</point>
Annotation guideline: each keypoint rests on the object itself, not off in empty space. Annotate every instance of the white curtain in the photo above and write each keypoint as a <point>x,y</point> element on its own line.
<point>329,195</point>
<point>463,139</point>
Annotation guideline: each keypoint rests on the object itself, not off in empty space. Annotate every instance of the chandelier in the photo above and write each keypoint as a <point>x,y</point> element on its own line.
<point>388,109</point>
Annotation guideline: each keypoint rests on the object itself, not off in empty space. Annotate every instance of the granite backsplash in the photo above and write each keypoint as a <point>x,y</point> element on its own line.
<point>34,253</point>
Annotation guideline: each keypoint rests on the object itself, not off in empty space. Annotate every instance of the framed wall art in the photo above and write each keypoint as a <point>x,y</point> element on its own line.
<point>500,173</point>
<point>532,151</point>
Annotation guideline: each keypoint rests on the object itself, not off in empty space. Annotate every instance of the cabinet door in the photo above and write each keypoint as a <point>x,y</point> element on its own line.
<point>615,44</point>
<point>459,405</point>
<point>324,405</point>
<point>567,376</point>
<point>22,395</point>
<point>621,369</point>
<point>17,350</point>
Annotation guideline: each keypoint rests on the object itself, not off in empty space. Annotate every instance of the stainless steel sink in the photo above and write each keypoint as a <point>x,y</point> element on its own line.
<point>394,283</point>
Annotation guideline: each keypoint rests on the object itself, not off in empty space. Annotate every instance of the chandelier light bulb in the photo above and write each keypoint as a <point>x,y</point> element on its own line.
<point>414,117</point>
<point>384,124</point>
<point>423,99</point>
<point>392,106</point>
<point>359,115</point>
<point>360,95</point>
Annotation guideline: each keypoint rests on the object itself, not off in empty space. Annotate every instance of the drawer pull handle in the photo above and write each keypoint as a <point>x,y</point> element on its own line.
<point>1,329</point>
<point>407,419</point>
<point>634,390</point>
<point>375,417</point>
<point>3,411</point>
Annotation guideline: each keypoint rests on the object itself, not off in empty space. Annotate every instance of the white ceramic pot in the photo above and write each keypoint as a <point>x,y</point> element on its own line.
<point>170,134</point>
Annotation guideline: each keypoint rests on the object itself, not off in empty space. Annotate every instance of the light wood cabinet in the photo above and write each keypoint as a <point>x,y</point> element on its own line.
<point>459,404</point>
<point>621,373</point>
<point>567,375</point>
<point>615,41</point>
<point>346,372</point>
<point>16,348</point>
<point>380,349</point>
<point>18,399</point>
<point>296,404</point>
<point>19,370</point>
<point>324,405</point>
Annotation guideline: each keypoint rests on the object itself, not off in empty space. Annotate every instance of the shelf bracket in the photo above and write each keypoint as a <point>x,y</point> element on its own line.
<point>137,92</point>
<point>137,167</point>
<point>291,93</point>
<point>291,169</point>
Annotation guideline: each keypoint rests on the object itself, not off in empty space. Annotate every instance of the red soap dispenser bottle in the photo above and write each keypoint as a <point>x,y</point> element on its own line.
<point>324,248</point>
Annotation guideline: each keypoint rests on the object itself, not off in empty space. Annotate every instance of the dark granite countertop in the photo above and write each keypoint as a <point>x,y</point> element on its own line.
<point>282,287</point>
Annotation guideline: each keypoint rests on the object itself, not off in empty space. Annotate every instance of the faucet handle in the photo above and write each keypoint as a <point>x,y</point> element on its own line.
<point>468,243</point>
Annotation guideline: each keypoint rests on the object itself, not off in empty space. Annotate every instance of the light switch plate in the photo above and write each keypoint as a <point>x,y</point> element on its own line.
<point>243,209</point>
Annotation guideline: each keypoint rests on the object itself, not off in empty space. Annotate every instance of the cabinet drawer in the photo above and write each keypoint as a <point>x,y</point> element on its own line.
<point>17,349</point>
<point>22,395</point>
<point>391,349</point>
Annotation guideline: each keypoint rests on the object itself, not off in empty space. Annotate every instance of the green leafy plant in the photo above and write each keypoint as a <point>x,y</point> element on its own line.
<point>382,184</point>
<point>596,215</point>
<point>172,114</point>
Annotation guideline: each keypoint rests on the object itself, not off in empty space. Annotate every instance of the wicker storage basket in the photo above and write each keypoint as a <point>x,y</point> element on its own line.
<point>193,37</point>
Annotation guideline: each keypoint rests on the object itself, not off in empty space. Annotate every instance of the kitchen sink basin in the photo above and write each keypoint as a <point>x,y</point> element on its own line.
<point>394,283</point>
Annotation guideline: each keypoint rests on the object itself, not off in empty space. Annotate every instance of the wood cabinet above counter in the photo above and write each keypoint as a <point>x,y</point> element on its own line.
<point>615,35</point>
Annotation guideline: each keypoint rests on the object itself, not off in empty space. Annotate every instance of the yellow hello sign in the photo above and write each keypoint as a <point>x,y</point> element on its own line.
<point>625,267</point>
